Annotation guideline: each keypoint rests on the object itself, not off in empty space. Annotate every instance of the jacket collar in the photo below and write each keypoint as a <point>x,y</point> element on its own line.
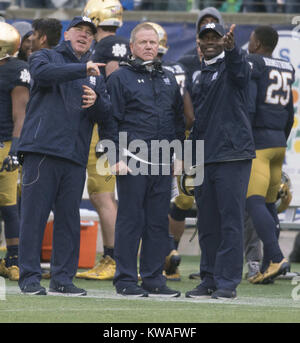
<point>215,59</point>
<point>65,48</point>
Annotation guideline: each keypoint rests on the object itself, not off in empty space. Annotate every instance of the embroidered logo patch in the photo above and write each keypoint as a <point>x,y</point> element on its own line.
<point>119,50</point>
<point>93,80</point>
<point>167,81</point>
<point>215,75</point>
<point>25,76</point>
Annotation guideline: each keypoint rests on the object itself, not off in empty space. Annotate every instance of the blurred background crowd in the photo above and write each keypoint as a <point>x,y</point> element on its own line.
<point>267,6</point>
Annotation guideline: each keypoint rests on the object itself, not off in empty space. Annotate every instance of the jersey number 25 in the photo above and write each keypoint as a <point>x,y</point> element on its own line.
<point>280,85</point>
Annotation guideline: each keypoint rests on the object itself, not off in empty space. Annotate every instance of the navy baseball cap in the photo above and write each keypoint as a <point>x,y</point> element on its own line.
<point>82,20</point>
<point>219,29</point>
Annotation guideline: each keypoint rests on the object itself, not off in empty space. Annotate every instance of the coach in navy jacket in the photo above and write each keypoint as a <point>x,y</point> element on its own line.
<point>55,122</point>
<point>220,97</point>
<point>67,98</point>
<point>147,106</point>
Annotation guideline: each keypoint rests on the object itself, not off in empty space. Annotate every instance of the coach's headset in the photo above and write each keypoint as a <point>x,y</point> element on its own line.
<point>141,65</point>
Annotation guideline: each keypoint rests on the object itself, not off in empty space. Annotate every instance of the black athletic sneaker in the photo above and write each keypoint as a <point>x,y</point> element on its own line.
<point>200,292</point>
<point>66,290</point>
<point>34,289</point>
<point>163,291</point>
<point>133,291</point>
<point>194,276</point>
<point>224,294</point>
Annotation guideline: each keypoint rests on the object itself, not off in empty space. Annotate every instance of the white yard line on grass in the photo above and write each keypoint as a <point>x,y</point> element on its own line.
<point>240,300</point>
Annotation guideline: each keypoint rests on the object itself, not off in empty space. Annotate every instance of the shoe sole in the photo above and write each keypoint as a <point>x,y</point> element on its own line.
<point>67,294</point>
<point>34,293</point>
<point>153,295</point>
<point>199,296</point>
<point>224,298</point>
<point>133,296</point>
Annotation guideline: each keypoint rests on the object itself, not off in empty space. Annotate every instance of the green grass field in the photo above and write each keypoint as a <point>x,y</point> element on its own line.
<point>255,304</point>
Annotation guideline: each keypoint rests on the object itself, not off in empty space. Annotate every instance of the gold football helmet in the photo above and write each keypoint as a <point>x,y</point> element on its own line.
<point>163,38</point>
<point>10,40</point>
<point>186,184</point>
<point>104,12</point>
<point>284,196</point>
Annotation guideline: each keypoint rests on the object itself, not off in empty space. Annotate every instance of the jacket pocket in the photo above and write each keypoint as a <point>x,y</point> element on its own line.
<point>31,169</point>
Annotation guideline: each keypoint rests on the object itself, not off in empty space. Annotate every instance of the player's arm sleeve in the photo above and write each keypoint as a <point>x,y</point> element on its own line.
<point>237,66</point>
<point>20,97</point>
<point>256,66</point>
<point>20,87</point>
<point>256,70</point>
<point>45,72</point>
<point>22,77</point>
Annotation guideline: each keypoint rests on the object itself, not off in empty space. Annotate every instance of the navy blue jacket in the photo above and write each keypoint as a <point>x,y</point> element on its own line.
<point>272,111</point>
<point>55,124</point>
<point>146,105</point>
<point>221,99</point>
